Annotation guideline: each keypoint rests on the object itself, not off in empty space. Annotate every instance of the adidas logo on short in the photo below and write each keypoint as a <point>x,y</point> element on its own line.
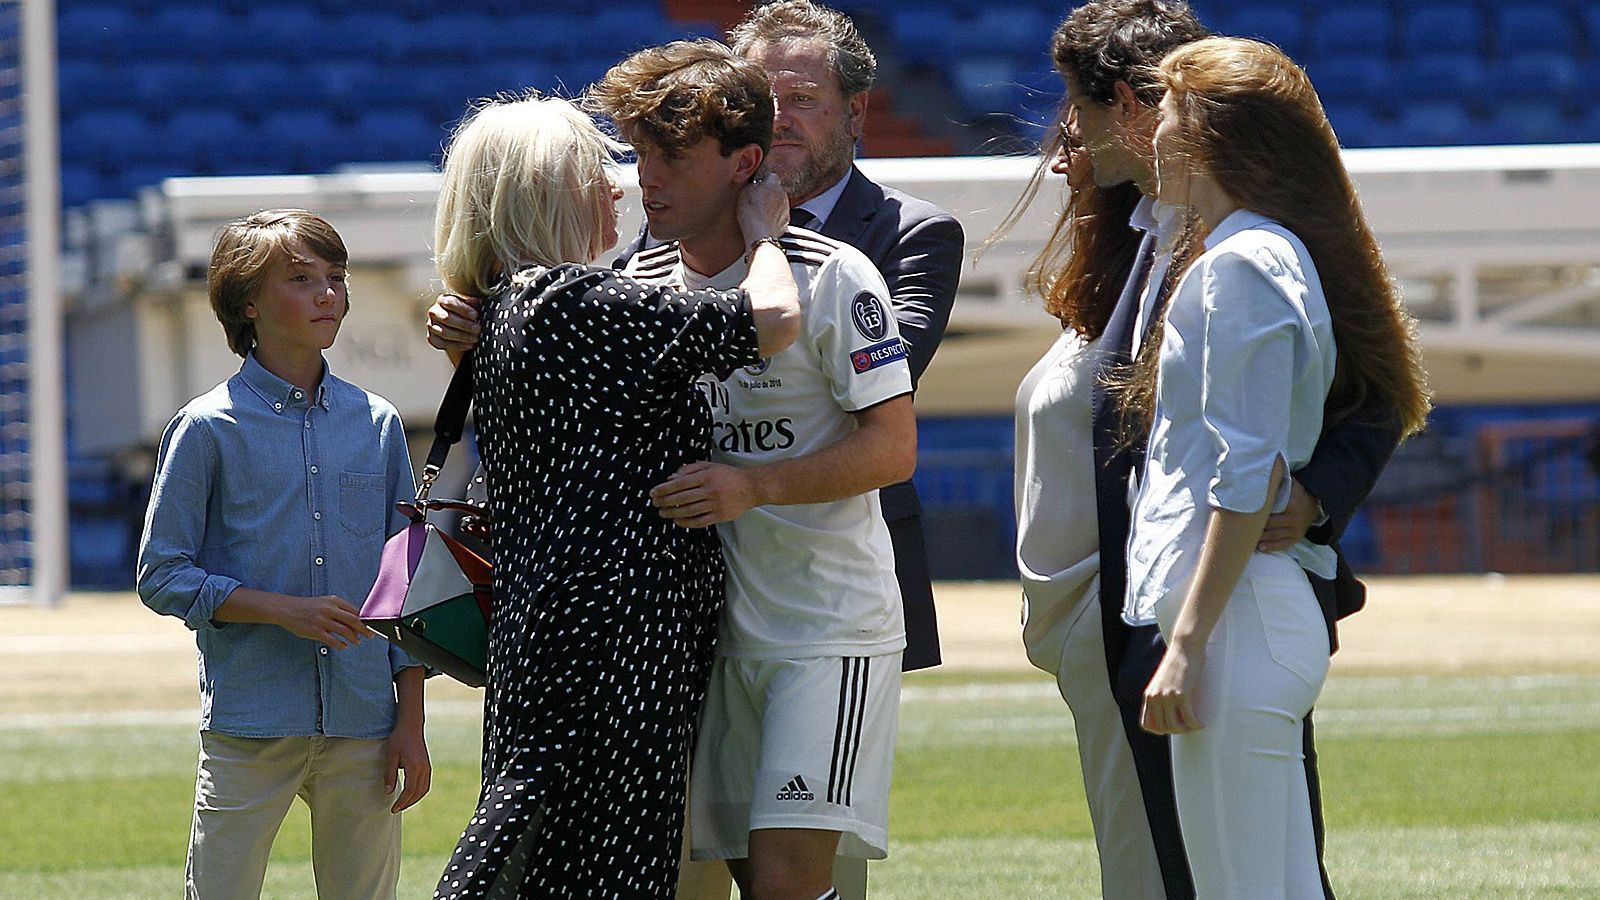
<point>796,790</point>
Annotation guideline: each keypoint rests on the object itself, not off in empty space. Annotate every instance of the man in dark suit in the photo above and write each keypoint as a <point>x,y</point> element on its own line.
<point>1112,102</point>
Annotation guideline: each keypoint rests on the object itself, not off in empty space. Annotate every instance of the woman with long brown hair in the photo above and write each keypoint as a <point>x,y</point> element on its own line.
<point>1079,274</point>
<point>1235,388</point>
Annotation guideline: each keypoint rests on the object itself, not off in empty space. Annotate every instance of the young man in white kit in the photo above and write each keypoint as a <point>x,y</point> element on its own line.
<point>797,741</point>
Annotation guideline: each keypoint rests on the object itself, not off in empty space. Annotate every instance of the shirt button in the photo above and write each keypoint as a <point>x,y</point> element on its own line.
<point>313,470</point>
<point>308,423</point>
<point>317,516</point>
<point>323,650</point>
<point>298,395</point>
<point>319,560</point>
<point>277,406</point>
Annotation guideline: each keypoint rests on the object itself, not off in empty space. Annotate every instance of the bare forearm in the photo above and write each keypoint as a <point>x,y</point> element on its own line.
<point>408,688</point>
<point>248,605</point>
<point>1231,538</point>
<point>867,459</point>
<point>774,298</point>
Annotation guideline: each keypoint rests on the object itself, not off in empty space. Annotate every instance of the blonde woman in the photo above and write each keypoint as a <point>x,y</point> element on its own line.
<point>1247,378</point>
<point>604,611</point>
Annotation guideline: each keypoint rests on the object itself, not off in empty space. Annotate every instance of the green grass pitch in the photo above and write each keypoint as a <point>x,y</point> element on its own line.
<point>1434,786</point>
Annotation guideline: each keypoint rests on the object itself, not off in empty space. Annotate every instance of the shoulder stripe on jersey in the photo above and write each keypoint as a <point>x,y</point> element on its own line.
<point>806,235</point>
<point>805,258</point>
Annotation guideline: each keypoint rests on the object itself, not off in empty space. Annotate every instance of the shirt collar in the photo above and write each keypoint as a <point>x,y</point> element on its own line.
<point>1232,224</point>
<point>280,394</point>
<point>822,204</point>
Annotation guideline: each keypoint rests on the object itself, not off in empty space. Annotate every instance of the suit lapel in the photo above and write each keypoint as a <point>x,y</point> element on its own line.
<point>1117,340</point>
<point>860,200</point>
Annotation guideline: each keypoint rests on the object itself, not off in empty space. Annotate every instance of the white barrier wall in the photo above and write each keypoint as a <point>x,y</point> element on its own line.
<point>1498,248</point>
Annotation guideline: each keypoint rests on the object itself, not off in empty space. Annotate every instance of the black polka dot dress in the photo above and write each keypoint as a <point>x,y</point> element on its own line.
<point>605,614</point>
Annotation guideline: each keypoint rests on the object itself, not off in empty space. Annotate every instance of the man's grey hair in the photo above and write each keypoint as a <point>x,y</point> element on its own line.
<point>852,61</point>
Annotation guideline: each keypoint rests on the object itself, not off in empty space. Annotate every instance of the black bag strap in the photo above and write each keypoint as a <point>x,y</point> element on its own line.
<point>448,425</point>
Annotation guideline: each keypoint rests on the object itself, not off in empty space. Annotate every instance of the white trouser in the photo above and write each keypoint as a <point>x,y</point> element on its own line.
<point>1240,780</point>
<point>244,790</point>
<point>1129,869</point>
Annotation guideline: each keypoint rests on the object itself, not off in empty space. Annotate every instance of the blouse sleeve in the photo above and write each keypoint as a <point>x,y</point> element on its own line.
<point>701,331</point>
<point>1247,371</point>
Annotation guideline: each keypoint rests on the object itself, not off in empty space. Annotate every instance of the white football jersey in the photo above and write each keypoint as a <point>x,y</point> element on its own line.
<point>812,579</point>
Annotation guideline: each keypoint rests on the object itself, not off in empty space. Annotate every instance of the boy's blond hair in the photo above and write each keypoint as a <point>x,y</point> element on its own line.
<point>246,248</point>
<point>525,181</point>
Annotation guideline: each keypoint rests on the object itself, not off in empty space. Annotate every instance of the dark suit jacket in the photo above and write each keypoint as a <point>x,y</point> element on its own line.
<point>1343,468</point>
<point>918,248</point>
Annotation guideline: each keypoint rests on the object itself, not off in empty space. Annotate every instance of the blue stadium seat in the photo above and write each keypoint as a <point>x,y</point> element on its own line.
<point>1591,25</point>
<point>181,33</point>
<point>1020,34</point>
<point>1528,122</point>
<point>1453,77</point>
<point>92,32</point>
<point>1586,128</point>
<point>1284,27</point>
<point>372,37</point>
<point>923,35</point>
<point>132,179</point>
<point>1536,77</point>
<point>546,36</point>
<point>623,30</point>
<point>1355,126</point>
<point>210,138</point>
<point>1445,28</point>
<point>1349,81</point>
<point>1366,29</point>
<point>301,140</point>
<point>163,87</point>
<point>90,84</point>
<point>1540,27</point>
<point>107,137</point>
<point>985,84</point>
<point>80,184</point>
<point>258,86</point>
<point>453,37</point>
<point>393,136</point>
<point>1426,123</point>
<point>291,34</point>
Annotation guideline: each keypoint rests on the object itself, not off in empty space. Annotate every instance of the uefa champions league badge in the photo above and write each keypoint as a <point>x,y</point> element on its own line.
<point>870,318</point>
<point>760,367</point>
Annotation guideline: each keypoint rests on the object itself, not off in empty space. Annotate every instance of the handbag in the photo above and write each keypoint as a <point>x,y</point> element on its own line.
<point>433,595</point>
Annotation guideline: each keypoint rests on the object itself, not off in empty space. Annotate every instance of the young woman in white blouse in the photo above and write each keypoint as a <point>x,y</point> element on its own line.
<point>1234,393</point>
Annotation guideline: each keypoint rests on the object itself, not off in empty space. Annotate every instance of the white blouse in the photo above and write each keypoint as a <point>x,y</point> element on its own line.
<point>1247,359</point>
<point>1058,540</point>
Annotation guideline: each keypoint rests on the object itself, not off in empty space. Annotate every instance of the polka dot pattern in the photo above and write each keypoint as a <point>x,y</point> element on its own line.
<point>605,613</point>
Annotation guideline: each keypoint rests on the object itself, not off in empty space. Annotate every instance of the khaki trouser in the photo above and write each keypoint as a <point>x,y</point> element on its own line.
<point>243,792</point>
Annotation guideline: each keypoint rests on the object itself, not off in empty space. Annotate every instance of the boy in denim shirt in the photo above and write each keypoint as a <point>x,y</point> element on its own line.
<point>274,493</point>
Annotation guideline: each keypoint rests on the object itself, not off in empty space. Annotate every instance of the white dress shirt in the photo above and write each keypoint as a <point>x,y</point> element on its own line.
<point>1247,359</point>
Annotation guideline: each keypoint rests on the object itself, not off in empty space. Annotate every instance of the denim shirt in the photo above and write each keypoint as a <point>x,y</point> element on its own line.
<point>262,485</point>
<point>1247,358</point>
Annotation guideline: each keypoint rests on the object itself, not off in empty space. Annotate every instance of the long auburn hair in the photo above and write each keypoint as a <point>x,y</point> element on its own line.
<point>1081,270</point>
<point>1250,119</point>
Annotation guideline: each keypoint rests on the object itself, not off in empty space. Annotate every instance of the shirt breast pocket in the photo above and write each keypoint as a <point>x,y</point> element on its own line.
<point>361,509</point>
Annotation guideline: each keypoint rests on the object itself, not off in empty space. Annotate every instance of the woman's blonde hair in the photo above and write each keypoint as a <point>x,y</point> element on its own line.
<point>525,181</point>
<point>1249,118</point>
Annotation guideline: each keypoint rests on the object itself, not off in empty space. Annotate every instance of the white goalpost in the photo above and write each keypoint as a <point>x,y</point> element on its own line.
<point>33,501</point>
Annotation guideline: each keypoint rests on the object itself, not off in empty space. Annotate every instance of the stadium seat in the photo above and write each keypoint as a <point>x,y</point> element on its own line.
<point>1527,122</point>
<point>371,37</point>
<point>1539,27</point>
<point>210,139</point>
<point>1457,78</point>
<point>289,34</point>
<point>1349,81</point>
<point>1430,122</point>
<point>181,33</point>
<point>1284,27</point>
<point>985,84</point>
<point>1366,29</point>
<point>393,136</point>
<point>108,137</point>
<point>1355,126</point>
<point>1536,77</point>
<point>1446,28</point>
<point>90,84</point>
<point>1003,30</point>
<point>162,87</point>
<point>923,35</point>
<point>80,184</point>
<point>301,140</point>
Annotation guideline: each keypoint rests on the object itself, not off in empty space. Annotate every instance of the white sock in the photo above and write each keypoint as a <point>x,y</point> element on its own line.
<point>829,894</point>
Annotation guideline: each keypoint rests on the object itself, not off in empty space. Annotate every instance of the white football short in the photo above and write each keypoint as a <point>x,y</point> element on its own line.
<point>795,743</point>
